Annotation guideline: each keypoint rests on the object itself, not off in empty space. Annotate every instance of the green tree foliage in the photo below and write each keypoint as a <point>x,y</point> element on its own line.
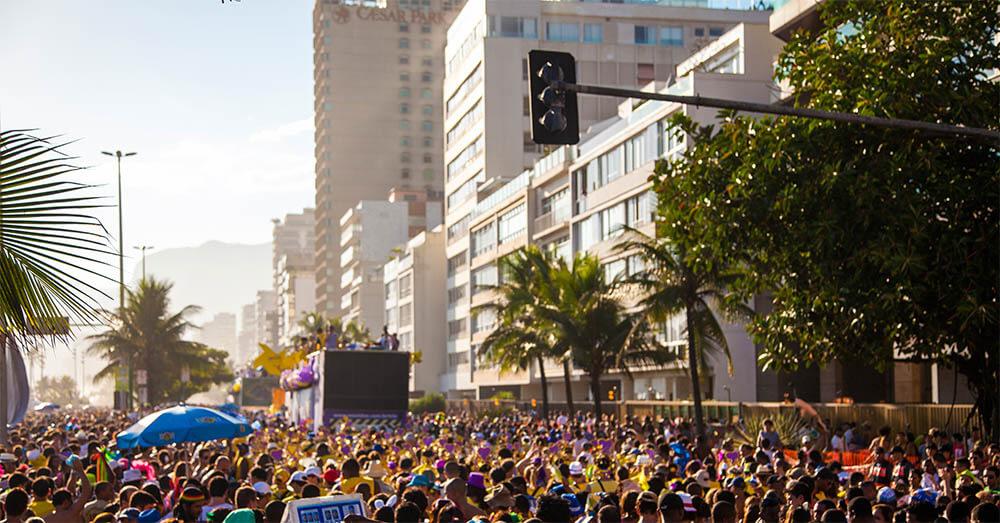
<point>61,391</point>
<point>146,333</point>
<point>667,286</point>
<point>873,243</point>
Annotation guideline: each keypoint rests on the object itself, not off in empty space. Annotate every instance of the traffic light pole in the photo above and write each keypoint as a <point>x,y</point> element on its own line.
<point>701,101</point>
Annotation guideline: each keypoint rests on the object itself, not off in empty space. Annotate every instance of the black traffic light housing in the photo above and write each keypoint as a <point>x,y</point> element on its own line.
<point>554,115</point>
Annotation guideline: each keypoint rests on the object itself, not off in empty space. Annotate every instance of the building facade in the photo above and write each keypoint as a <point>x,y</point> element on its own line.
<point>370,233</point>
<point>266,319</point>
<point>415,304</point>
<point>246,339</point>
<point>378,72</point>
<point>293,277</point>
<point>220,333</point>
<point>486,106</point>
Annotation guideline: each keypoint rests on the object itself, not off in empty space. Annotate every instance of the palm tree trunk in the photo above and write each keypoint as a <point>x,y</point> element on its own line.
<point>699,417</point>
<point>545,388</point>
<point>569,389</point>
<point>595,391</point>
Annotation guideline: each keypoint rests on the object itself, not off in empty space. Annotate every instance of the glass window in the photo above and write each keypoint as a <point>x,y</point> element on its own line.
<point>426,61</point>
<point>425,43</point>
<point>425,29</point>
<point>612,221</point>
<point>464,157</point>
<point>699,31</point>
<point>428,158</point>
<point>427,110</point>
<point>518,27</point>
<point>457,230</point>
<point>672,36</point>
<point>404,124</point>
<point>593,33</point>
<point>404,92</point>
<point>428,141</point>
<point>465,122</point>
<point>465,191</point>
<point>471,81</point>
<point>512,223</point>
<point>645,35</point>
<point>404,108</point>
<point>404,43</point>
<point>404,28</point>
<point>404,173</point>
<point>425,77</point>
<point>614,270</point>
<point>716,31</point>
<point>426,93</point>
<point>426,125</point>
<point>562,31</point>
<point>457,262</point>
<point>484,277</point>
<point>403,59</point>
<point>404,76</point>
<point>404,141</point>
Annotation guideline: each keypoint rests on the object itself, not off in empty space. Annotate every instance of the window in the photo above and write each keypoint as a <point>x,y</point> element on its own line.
<point>404,141</point>
<point>644,74</point>
<point>406,286</point>
<point>645,35</point>
<point>425,43</point>
<point>404,43</point>
<point>640,209</point>
<point>465,191</point>
<point>465,122</point>
<point>428,158</point>
<point>465,157</point>
<point>518,27</point>
<point>404,76</point>
<point>636,264</point>
<point>406,314</point>
<point>425,77</point>
<point>428,141</point>
<point>484,320</point>
<point>455,294</point>
<point>426,61</point>
<point>426,93</point>
<point>404,108</point>
<point>456,263</point>
<point>526,106</point>
<point>512,223</point>
<point>672,36</point>
<point>404,173</point>
<point>404,92</point>
<point>425,29</point>
<point>404,60</point>
<point>404,158</point>
<point>427,110</point>
<point>427,126</point>
<point>716,31</point>
<point>458,229</point>
<point>699,32</point>
<point>456,330</point>
<point>612,221</point>
<point>593,33</point>
<point>483,240</point>
<point>404,124</point>
<point>614,270</point>
<point>404,28</point>
<point>484,277</point>
<point>562,32</point>
<point>641,148</point>
<point>463,90</point>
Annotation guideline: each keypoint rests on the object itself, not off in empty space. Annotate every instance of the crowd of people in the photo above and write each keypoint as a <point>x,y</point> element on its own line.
<point>515,468</point>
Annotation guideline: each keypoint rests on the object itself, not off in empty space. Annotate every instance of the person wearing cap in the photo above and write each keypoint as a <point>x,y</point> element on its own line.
<point>646,506</point>
<point>671,507</point>
<point>129,515</point>
<point>313,475</point>
<point>263,491</point>
<point>499,498</point>
<point>295,484</point>
<point>190,504</point>
<point>149,516</point>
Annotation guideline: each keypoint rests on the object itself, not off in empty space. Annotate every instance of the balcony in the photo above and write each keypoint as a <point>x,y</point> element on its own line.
<point>556,217</point>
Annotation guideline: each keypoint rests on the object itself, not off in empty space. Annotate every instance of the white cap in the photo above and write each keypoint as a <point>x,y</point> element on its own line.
<point>575,468</point>
<point>298,475</point>
<point>131,475</point>
<point>262,488</point>
<point>314,471</point>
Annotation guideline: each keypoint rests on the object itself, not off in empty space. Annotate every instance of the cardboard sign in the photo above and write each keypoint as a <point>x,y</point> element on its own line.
<point>327,509</point>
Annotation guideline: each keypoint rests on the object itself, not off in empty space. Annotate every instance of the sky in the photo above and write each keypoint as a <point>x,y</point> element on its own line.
<point>216,99</point>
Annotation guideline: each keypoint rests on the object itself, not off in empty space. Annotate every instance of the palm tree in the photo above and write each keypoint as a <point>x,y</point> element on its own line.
<point>356,332</point>
<point>144,332</point>
<point>670,286</point>
<point>518,341</point>
<point>52,249</point>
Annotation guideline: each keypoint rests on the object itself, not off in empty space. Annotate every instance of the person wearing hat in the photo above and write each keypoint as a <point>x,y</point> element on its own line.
<point>295,484</point>
<point>149,516</point>
<point>129,515</point>
<point>189,505</point>
<point>671,507</point>
<point>499,498</point>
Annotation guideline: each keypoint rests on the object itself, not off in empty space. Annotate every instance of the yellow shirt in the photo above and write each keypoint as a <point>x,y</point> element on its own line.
<point>42,508</point>
<point>349,485</point>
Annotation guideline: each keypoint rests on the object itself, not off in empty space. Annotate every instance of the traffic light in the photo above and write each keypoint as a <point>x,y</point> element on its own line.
<point>554,115</point>
<point>611,395</point>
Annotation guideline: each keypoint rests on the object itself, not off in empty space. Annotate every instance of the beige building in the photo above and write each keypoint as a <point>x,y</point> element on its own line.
<point>293,278</point>
<point>219,333</point>
<point>370,233</point>
<point>577,198</point>
<point>246,342</point>
<point>486,106</point>
<point>378,69</point>
<point>414,306</point>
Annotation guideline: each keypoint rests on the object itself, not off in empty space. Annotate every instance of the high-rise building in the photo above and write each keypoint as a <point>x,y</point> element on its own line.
<point>219,333</point>
<point>246,339</point>
<point>266,319</point>
<point>622,44</point>
<point>378,68</point>
<point>415,304</point>
<point>293,275</point>
<point>370,232</point>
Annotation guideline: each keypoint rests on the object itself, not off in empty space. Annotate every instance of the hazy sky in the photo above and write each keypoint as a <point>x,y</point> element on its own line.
<point>215,98</point>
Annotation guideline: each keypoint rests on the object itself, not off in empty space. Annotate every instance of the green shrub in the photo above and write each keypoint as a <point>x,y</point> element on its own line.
<point>788,425</point>
<point>433,402</point>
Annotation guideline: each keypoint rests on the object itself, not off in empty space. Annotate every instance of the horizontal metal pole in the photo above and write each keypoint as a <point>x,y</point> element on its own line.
<point>782,110</point>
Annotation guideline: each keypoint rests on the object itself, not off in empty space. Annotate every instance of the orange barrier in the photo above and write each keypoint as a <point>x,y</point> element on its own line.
<point>846,459</point>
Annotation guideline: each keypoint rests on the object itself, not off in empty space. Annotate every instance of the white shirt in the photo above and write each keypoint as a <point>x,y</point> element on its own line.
<point>208,508</point>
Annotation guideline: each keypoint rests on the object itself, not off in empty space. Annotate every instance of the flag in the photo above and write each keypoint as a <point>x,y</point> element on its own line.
<point>100,460</point>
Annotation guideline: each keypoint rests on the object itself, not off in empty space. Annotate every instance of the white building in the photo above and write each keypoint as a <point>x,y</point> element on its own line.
<point>246,340</point>
<point>415,304</point>
<point>293,277</point>
<point>219,333</point>
<point>266,319</point>
<point>621,44</point>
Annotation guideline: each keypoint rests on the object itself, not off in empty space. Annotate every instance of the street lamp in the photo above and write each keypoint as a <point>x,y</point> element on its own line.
<point>121,251</point>
<point>143,248</point>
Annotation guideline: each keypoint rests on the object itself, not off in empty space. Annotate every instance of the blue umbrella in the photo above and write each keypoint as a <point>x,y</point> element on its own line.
<point>182,424</point>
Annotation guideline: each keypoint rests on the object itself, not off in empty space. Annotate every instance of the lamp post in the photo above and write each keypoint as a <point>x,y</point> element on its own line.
<point>121,253</point>
<point>143,248</point>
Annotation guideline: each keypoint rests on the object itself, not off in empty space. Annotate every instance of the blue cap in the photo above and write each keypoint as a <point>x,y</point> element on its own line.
<point>149,516</point>
<point>419,480</point>
<point>575,508</point>
<point>129,513</point>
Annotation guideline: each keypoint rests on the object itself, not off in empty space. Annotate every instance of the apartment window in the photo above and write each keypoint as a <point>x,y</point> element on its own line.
<point>404,158</point>
<point>465,157</point>
<point>465,191</point>
<point>483,240</point>
<point>484,320</point>
<point>562,32</point>
<point>427,158</point>
<point>404,59</point>
<point>645,35</point>
<point>404,173</point>
<point>406,286</point>
<point>614,270</point>
<point>426,93</point>
<point>426,61</point>
<point>518,27</point>
<point>404,125</point>
<point>593,33</point>
<point>458,229</point>
<point>425,77</point>
<point>425,29</point>
<point>456,329</point>
<point>483,278</point>
<point>465,122</point>
<point>404,43</point>
<point>404,108</point>
<point>427,110</point>
<point>699,32</point>
<point>404,28</point>
<point>612,221</point>
<point>425,43</point>
<point>641,148</point>
<point>406,315</point>
<point>427,126</point>
<point>644,74</point>
<point>716,31</point>
<point>457,262</point>
<point>428,141</point>
<point>672,36</point>
<point>636,264</point>
<point>404,76</point>
<point>404,92</point>
<point>512,223</point>
<point>455,294</point>
<point>640,209</point>
<point>404,141</point>
<point>470,82</point>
